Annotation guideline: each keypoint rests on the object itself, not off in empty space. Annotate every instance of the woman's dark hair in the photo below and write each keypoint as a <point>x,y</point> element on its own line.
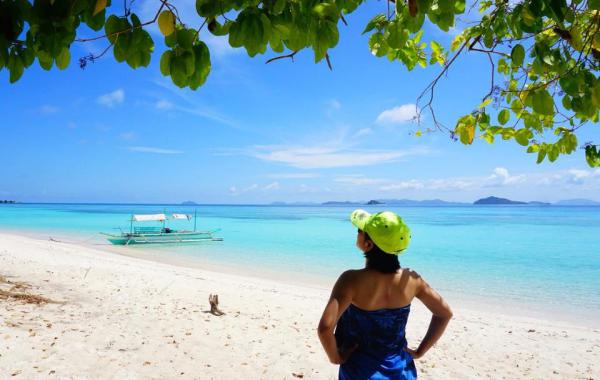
<point>379,260</point>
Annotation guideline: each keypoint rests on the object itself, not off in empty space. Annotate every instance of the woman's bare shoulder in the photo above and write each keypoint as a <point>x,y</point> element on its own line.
<point>410,276</point>
<point>411,273</point>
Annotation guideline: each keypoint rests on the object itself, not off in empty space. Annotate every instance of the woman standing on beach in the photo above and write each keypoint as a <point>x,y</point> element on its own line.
<point>369,307</point>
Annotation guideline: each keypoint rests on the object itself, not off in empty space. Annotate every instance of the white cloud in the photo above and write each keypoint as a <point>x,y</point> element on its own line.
<point>147,149</point>
<point>412,184</point>
<point>501,177</point>
<point>47,109</point>
<point>363,132</point>
<point>570,178</point>
<point>235,191</point>
<point>163,104</point>
<point>399,115</point>
<point>128,135</point>
<point>317,157</point>
<point>573,179</point>
<point>193,107</point>
<point>359,180</point>
<point>272,186</point>
<point>334,104</point>
<point>112,98</point>
<point>293,175</point>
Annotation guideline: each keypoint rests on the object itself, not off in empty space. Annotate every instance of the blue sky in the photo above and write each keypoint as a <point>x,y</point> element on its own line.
<point>255,133</point>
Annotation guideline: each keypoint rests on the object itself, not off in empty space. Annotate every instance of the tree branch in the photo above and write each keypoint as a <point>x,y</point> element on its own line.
<point>163,3</point>
<point>291,56</point>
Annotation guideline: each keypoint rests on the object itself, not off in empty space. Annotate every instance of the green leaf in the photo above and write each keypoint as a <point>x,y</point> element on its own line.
<point>327,37</point>
<point>178,72</point>
<point>543,102</point>
<point>541,154</point>
<point>457,42</point>
<point>596,94</point>
<point>15,66</point>
<point>593,5</point>
<point>203,65</point>
<point>327,11</point>
<point>553,153</point>
<point>465,129</point>
<point>556,9</point>
<point>278,7</point>
<point>592,156</point>
<point>63,59</point>
<point>396,35</point>
<point>522,136</point>
<point>378,45</point>
<point>99,7</point>
<point>45,59</point>
<point>518,55</point>
<point>489,138</point>
<point>113,25</point>
<point>485,102</point>
<point>165,63</point>
<point>503,116</point>
<point>186,38</point>
<point>189,60</point>
<point>211,8</point>
<point>217,29</point>
<point>166,22</point>
<point>378,22</point>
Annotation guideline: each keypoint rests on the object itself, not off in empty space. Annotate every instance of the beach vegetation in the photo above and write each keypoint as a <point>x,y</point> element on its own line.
<point>543,55</point>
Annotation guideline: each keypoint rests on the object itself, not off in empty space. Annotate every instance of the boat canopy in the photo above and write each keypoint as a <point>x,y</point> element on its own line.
<point>149,217</point>
<point>182,216</point>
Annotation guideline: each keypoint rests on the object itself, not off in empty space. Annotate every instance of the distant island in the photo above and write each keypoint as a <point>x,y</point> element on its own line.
<point>189,203</point>
<point>497,201</point>
<point>504,201</point>
<point>395,202</point>
<point>5,201</point>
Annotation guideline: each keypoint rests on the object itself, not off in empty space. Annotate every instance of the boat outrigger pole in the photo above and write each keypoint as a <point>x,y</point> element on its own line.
<point>194,220</point>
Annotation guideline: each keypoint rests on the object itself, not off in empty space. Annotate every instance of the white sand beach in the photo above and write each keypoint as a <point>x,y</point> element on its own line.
<point>116,317</point>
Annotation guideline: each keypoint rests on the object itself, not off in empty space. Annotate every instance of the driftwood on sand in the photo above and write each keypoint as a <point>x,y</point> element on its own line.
<point>213,299</point>
<point>16,292</point>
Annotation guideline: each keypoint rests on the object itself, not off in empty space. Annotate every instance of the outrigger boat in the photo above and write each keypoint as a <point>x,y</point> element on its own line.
<point>158,235</point>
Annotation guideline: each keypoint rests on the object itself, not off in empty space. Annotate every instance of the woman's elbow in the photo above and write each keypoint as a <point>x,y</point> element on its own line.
<point>447,314</point>
<point>324,328</point>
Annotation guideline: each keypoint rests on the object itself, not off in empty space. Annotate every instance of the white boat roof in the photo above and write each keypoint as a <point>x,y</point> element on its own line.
<point>182,216</point>
<point>149,217</point>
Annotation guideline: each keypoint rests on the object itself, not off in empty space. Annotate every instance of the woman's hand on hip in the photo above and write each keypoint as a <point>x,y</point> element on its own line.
<point>345,352</point>
<point>414,353</point>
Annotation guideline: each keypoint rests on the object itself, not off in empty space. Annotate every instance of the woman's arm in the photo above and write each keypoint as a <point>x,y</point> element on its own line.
<point>340,299</point>
<point>441,316</point>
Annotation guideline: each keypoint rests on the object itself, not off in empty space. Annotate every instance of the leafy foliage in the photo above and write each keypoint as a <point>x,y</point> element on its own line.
<point>545,54</point>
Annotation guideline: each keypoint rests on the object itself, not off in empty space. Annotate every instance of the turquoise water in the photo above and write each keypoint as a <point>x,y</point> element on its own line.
<point>532,255</point>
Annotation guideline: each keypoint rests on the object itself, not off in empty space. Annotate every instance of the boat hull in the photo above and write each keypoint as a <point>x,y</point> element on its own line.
<point>162,238</point>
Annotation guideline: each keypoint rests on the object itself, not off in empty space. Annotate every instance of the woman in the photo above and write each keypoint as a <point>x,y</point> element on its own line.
<point>369,307</point>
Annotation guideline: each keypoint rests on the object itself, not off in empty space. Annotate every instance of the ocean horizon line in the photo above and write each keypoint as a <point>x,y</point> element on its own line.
<point>417,203</point>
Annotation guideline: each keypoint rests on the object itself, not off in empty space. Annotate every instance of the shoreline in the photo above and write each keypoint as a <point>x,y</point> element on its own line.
<point>118,316</point>
<point>561,312</point>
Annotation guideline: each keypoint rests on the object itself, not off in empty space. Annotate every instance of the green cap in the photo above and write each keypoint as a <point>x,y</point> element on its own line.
<point>386,229</point>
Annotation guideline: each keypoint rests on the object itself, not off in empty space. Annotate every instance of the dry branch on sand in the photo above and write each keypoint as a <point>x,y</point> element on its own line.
<point>20,296</point>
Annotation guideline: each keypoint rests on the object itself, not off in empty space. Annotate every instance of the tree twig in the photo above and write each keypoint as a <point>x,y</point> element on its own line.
<point>291,56</point>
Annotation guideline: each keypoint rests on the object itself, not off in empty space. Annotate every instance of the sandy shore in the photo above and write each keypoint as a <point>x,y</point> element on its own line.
<point>115,317</point>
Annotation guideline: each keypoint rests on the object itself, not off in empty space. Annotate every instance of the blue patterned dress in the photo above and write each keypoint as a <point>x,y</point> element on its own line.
<point>380,335</point>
